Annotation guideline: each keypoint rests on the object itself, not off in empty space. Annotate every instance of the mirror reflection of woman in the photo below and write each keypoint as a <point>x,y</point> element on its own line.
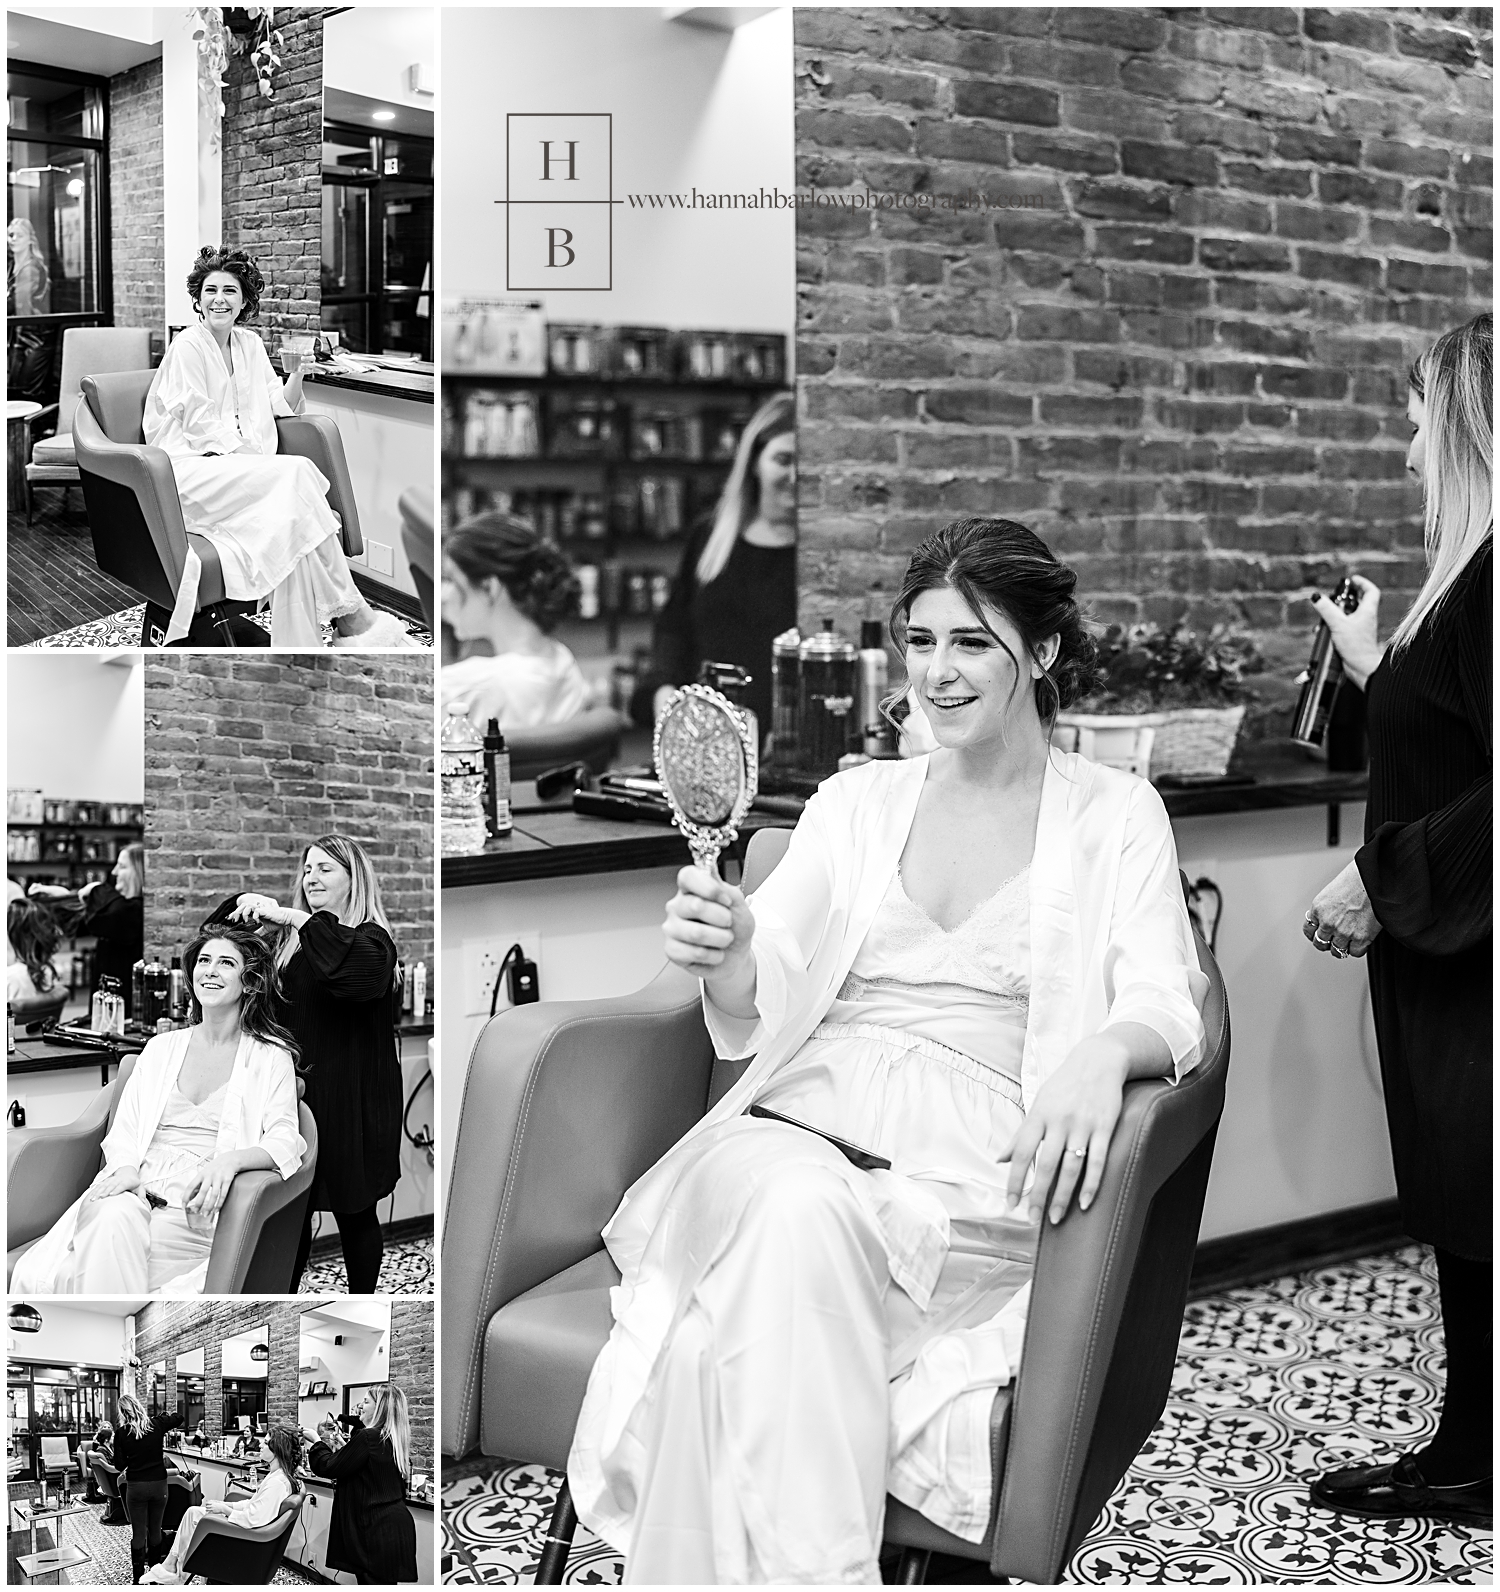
<point>340,999</point>
<point>212,407</point>
<point>28,278</point>
<point>736,588</point>
<point>503,584</point>
<point>372,1535</point>
<point>203,1104</point>
<point>957,965</point>
<point>280,1482</point>
<point>32,937</point>
<point>113,911</point>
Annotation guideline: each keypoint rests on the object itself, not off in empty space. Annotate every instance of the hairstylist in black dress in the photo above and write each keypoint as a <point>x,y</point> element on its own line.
<point>341,1000</point>
<point>137,1453</point>
<point>1417,897</point>
<point>736,589</point>
<point>113,910</point>
<point>371,1535</point>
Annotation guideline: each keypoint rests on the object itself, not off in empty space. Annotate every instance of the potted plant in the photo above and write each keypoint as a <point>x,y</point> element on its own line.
<point>1171,701</point>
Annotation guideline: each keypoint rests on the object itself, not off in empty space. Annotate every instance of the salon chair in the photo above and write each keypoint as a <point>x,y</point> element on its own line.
<point>415,504</point>
<point>591,737</point>
<point>232,1555</point>
<point>260,1223</point>
<point>40,1009</point>
<point>86,351</point>
<point>135,515</point>
<point>107,1479</point>
<point>55,1460</point>
<point>526,1282</point>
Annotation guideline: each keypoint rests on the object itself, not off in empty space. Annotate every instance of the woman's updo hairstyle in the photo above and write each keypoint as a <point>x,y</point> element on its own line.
<point>502,547</point>
<point>1012,570</point>
<point>239,265</point>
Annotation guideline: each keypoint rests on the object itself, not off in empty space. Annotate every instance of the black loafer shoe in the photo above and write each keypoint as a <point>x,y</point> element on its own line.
<point>1390,1492</point>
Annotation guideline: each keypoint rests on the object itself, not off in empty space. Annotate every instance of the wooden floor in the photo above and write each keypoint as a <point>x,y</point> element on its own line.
<point>54,582</point>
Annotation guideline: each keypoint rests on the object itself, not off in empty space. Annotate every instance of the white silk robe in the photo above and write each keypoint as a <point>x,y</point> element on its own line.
<point>1110,943</point>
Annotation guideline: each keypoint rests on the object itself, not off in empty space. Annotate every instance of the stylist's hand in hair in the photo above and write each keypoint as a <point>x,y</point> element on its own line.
<point>708,931</point>
<point>254,908</point>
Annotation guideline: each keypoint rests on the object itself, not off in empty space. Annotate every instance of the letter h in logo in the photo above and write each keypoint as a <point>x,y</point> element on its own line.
<point>559,211</point>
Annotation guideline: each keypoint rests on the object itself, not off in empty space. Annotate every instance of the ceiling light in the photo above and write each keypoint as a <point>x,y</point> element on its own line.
<point>382,116</point>
<point>24,1318</point>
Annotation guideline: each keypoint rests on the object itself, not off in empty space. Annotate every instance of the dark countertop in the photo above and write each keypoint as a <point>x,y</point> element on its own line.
<point>191,1456</point>
<point>555,842</point>
<point>415,385</point>
<point>36,1055</point>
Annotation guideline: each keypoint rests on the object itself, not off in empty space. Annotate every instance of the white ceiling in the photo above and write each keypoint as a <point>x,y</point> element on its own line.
<point>51,43</point>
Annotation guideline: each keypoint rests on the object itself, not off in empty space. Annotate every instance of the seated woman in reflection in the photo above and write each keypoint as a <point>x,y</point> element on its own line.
<point>202,1105</point>
<point>31,941</point>
<point>213,406</point>
<point>284,1443</point>
<point>372,1535</point>
<point>957,965</point>
<point>503,584</point>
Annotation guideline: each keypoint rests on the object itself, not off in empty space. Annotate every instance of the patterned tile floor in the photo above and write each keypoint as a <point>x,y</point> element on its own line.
<point>406,1268</point>
<point>1273,1384</point>
<point>108,1548</point>
<point>123,629</point>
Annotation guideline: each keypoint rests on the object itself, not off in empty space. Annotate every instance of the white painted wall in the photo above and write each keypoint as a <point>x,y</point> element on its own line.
<point>74,727</point>
<point>692,107</point>
<point>71,1335</point>
<point>367,49</point>
<point>235,1356</point>
<point>362,1357</point>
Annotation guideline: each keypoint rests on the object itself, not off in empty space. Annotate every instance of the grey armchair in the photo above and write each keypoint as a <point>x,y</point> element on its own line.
<point>232,1555</point>
<point>260,1224</point>
<point>135,515</point>
<point>86,351</point>
<point>526,1280</point>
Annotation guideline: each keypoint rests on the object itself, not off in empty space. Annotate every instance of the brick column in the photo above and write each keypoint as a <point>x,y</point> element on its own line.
<point>135,198</point>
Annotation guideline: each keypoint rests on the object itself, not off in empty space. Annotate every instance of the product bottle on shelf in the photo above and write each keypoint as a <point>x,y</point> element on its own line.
<point>138,988</point>
<point>178,991</point>
<point>419,992</point>
<point>159,981</point>
<point>874,679</point>
<point>497,819</point>
<point>462,774</point>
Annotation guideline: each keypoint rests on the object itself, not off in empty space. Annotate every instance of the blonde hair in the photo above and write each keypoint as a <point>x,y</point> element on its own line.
<point>1453,381</point>
<point>131,1413</point>
<point>739,502</point>
<point>135,857</point>
<point>393,1424</point>
<point>363,905</point>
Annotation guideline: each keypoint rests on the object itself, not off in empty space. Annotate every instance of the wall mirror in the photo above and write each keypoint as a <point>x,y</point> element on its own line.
<point>190,1389</point>
<point>244,1370</point>
<point>343,1351</point>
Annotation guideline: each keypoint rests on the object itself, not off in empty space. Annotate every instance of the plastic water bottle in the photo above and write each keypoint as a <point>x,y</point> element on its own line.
<point>462,772</point>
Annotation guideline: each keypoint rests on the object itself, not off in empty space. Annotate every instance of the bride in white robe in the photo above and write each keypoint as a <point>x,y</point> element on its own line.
<point>957,964</point>
<point>212,406</point>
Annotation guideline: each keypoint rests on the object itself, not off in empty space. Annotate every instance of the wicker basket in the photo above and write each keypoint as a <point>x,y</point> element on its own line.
<point>1175,741</point>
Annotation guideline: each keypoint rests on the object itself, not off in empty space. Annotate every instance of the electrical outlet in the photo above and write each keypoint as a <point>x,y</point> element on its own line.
<point>380,558</point>
<point>482,959</point>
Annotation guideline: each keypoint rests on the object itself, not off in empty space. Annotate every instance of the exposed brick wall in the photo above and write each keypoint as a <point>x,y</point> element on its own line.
<point>1180,355</point>
<point>166,1329</point>
<point>247,759</point>
<point>412,1370</point>
<point>273,185</point>
<point>135,198</point>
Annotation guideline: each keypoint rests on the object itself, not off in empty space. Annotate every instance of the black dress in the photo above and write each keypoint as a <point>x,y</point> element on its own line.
<point>1426,866</point>
<point>118,924</point>
<point>342,1003</point>
<point>733,619</point>
<point>371,1533</point>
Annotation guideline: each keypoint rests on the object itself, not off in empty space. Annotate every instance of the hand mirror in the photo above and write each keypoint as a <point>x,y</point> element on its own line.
<point>706,762</point>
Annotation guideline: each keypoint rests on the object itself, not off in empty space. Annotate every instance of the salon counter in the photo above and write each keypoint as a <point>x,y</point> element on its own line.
<point>308,1546</point>
<point>385,419</point>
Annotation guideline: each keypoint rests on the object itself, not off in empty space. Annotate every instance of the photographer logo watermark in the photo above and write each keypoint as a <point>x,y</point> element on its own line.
<point>559,202</point>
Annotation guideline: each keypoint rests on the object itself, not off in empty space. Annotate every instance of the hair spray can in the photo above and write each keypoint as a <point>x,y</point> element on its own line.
<point>1324,674</point>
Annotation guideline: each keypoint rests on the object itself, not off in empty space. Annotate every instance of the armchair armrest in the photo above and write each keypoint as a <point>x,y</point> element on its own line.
<point>239,1260</point>
<point>1106,1308</point>
<point>48,1168</point>
<point>565,1105</point>
<point>45,413</point>
<point>316,437</point>
<point>145,471</point>
<point>212,1526</point>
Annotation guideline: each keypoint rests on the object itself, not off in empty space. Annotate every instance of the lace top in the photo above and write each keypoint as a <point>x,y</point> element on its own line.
<point>967,988</point>
<point>185,1138</point>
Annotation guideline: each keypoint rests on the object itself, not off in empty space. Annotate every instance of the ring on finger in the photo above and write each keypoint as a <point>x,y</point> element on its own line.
<point>1338,954</point>
<point>1081,1154</point>
<point>1323,944</point>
